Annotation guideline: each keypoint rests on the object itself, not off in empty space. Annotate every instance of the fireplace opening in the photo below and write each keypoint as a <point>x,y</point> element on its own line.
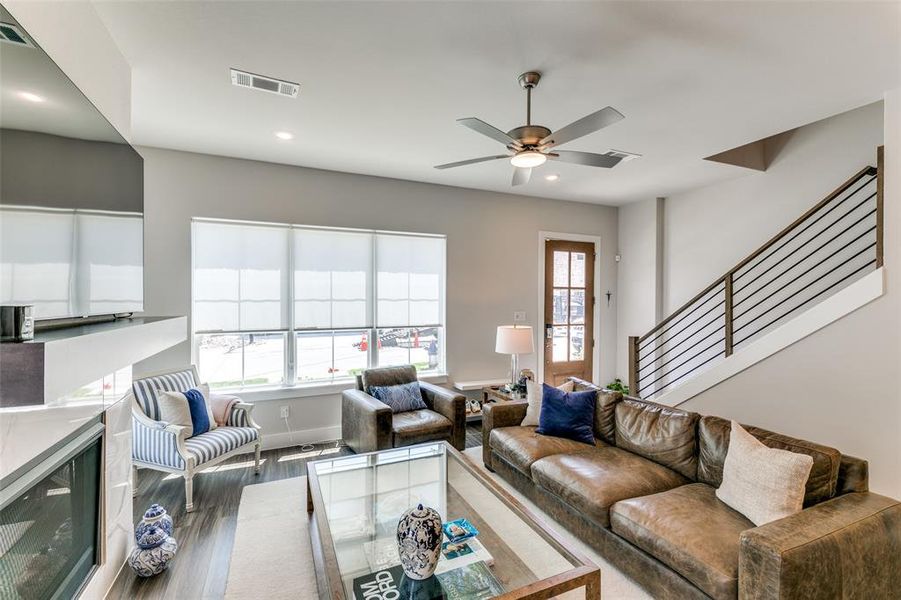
<point>49,520</point>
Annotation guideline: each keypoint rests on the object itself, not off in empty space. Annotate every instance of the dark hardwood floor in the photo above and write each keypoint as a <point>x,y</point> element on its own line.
<point>205,536</point>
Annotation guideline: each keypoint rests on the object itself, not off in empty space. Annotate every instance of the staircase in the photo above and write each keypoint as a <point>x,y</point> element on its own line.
<point>827,249</point>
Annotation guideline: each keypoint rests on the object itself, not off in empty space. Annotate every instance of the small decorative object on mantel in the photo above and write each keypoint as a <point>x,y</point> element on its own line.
<point>419,542</point>
<point>155,545</point>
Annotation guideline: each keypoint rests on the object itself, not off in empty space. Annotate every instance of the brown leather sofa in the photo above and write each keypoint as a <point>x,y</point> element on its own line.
<point>644,497</point>
<point>368,424</point>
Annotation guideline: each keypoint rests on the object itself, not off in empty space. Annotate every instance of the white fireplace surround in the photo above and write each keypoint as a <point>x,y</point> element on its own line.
<point>92,357</point>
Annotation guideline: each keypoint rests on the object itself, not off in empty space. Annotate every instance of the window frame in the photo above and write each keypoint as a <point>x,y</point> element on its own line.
<point>290,333</point>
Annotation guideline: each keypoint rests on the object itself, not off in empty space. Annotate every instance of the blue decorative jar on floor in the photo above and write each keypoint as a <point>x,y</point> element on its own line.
<point>155,550</point>
<point>155,515</point>
<point>156,546</point>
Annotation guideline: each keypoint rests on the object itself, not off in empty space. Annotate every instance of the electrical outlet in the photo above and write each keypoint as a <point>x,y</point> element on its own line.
<point>284,412</point>
<point>519,316</point>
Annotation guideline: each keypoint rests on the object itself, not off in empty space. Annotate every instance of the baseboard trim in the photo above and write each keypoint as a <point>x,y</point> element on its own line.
<point>304,436</point>
<point>842,303</point>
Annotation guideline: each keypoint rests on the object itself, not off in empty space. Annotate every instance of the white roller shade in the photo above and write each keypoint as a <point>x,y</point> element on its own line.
<point>240,277</point>
<point>332,279</point>
<point>410,280</point>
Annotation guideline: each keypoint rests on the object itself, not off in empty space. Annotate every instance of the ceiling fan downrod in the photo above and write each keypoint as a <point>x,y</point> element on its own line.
<point>529,80</point>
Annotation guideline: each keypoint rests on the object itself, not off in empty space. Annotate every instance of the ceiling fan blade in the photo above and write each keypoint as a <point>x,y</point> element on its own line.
<point>491,131</point>
<point>585,158</point>
<point>584,126</point>
<point>471,161</point>
<point>521,176</point>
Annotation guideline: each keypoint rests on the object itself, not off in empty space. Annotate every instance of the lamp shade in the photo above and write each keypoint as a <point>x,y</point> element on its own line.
<point>514,340</point>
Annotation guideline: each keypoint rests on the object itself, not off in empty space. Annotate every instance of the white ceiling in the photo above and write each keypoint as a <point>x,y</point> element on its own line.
<point>382,83</point>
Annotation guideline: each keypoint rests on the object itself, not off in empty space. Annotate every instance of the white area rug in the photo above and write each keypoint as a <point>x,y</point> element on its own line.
<point>271,557</point>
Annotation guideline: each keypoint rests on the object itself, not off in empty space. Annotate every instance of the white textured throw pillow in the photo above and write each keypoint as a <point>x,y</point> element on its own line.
<point>534,396</point>
<point>174,407</point>
<point>764,484</point>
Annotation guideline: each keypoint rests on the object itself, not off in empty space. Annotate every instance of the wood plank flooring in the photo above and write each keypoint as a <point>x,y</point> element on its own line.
<point>205,536</point>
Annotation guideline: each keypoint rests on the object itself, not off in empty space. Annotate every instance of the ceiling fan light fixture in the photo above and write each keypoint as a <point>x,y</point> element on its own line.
<point>528,159</point>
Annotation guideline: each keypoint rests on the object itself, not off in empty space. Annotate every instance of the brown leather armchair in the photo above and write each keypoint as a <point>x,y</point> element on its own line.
<point>368,424</point>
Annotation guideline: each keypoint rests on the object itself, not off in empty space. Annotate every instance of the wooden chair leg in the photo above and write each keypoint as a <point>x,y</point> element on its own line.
<point>189,492</point>
<point>256,464</point>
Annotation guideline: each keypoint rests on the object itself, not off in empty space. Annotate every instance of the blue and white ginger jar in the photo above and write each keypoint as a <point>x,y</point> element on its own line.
<point>419,542</point>
<point>155,551</point>
<point>155,515</point>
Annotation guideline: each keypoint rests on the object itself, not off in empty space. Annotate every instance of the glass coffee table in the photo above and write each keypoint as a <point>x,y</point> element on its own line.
<point>355,503</point>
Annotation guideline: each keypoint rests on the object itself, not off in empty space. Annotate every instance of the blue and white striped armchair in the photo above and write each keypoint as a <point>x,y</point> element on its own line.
<point>164,447</point>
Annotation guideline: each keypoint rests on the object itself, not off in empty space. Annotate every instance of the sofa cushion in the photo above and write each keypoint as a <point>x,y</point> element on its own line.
<point>713,444</point>
<point>689,530</point>
<point>521,446</point>
<point>219,441</point>
<point>604,414</point>
<point>660,433</point>
<point>592,481</point>
<point>417,426</point>
<point>402,397</point>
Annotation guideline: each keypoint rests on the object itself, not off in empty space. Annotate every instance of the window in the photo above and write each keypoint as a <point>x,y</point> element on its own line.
<point>286,305</point>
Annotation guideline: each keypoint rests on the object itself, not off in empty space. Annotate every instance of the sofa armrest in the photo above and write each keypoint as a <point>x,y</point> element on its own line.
<point>846,547</point>
<point>451,406</point>
<point>159,443</point>
<point>499,414</point>
<point>365,422</point>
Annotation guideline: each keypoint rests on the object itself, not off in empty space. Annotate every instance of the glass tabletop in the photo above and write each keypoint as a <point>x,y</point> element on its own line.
<point>365,495</point>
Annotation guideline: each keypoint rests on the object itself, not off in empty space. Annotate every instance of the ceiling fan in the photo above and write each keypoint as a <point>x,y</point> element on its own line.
<point>529,146</point>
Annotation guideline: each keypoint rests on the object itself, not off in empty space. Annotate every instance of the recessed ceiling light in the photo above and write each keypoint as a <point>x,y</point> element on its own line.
<point>284,135</point>
<point>31,97</point>
<point>552,177</point>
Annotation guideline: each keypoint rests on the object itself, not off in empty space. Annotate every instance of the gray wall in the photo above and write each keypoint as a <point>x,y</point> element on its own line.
<point>492,251</point>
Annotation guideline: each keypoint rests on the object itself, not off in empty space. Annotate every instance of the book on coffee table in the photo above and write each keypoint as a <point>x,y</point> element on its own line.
<point>470,582</point>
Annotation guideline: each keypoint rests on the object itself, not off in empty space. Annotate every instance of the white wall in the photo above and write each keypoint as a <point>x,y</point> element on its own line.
<point>840,386</point>
<point>492,260</point>
<point>637,281</point>
<point>709,230</point>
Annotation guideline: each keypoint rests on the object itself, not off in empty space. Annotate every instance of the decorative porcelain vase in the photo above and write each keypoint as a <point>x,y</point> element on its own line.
<point>419,542</point>
<point>157,516</point>
<point>155,550</point>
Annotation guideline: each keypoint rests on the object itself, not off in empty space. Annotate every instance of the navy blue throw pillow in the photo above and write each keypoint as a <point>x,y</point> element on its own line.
<point>199,416</point>
<point>567,414</point>
<point>401,398</point>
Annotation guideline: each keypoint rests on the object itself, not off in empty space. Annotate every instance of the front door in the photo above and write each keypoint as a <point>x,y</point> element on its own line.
<point>568,310</point>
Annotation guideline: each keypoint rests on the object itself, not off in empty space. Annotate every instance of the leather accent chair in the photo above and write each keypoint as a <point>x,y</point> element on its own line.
<point>368,425</point>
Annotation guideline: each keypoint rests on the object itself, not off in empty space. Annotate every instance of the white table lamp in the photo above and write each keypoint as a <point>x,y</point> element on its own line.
<point>514,340</point>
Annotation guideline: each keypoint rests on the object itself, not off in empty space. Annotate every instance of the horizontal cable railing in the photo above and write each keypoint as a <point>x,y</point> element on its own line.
<point>831,245</point>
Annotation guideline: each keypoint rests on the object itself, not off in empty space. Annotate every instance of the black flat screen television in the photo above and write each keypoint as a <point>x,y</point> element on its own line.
<point>71,193</point>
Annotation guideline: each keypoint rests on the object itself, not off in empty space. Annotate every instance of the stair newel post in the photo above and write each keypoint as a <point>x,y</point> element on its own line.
<point>633,366</point>
<point>880,203</point>
<point>728,292</point>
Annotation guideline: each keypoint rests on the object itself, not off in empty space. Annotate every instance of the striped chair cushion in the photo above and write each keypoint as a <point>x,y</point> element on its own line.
<point>147,390</point>
<point>215,443</point>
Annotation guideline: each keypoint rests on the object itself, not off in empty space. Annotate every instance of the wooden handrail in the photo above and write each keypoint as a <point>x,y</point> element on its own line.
<point>728,278</point>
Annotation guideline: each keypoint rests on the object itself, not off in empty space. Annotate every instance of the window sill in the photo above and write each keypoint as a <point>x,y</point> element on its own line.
<point>282,392</point>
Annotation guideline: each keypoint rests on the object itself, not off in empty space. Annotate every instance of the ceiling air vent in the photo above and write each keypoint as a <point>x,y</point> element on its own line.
<point>265,84</point>
<point>11,34</point>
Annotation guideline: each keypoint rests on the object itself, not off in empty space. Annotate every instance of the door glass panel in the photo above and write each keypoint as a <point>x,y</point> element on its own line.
<point>560,343</point>
<point>577,306</point>
<point>577,343</point>
<point>561,306</point>
<point>577,270</point>
<point>561,268</point>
